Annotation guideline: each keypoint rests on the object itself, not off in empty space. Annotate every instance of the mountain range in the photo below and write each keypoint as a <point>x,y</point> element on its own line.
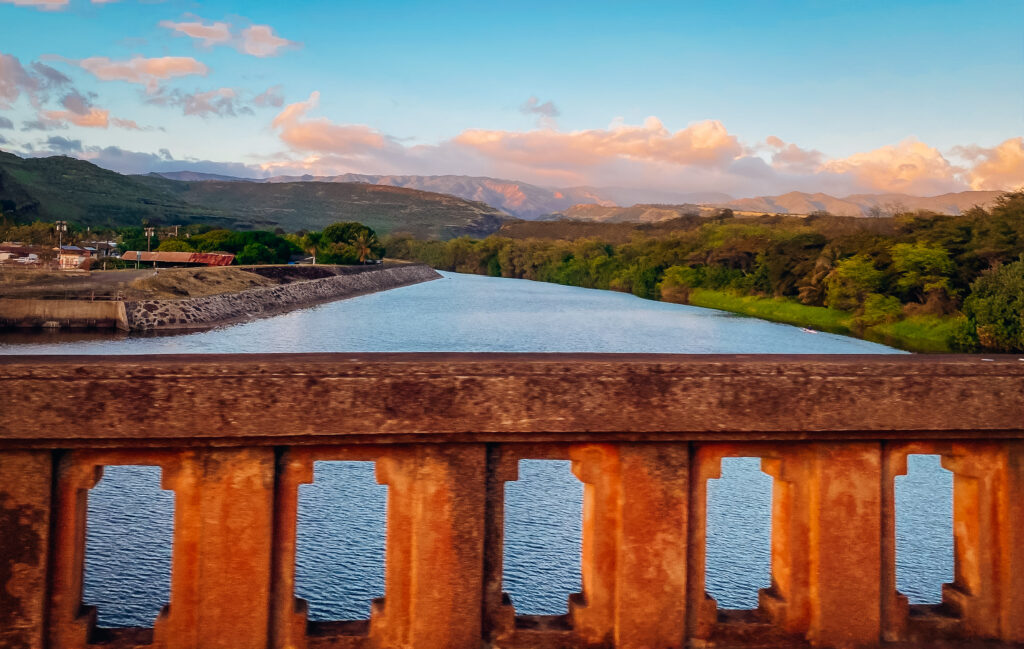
<point>65,188</point>
<point>527,201</point>
<point>514,197</point>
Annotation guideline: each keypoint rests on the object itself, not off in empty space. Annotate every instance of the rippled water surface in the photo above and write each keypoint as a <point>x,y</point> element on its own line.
<point>340,555</point>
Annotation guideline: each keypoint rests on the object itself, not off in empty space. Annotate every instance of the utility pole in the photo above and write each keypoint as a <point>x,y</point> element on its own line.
<point>61,227</point>
<point>149,236</point>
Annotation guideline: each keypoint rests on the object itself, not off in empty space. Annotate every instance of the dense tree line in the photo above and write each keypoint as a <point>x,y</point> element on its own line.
<point>339,243</point>
<point>969,266</point>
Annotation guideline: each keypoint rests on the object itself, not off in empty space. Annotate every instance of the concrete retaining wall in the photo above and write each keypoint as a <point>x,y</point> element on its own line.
<point>203,312</point>
<point>63,314</point>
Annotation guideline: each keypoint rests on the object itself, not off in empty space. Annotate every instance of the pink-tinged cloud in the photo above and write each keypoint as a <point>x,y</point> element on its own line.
<point>148,72</point>
<point>34,80</point>
<point>92,118</point>
<point>320,135</point>
<point>45,5</point>
<point>788,157</point>
<point>210,34</point>
<point>998,168</point>
<point>261,41</point>
<point>704,143</point>
<point>14,79</point>
<point>255,40</point>
<point>910,167</point>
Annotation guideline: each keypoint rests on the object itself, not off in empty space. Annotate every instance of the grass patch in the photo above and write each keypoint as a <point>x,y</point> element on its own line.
<point>919,333</point>
<point>927,334</point>
<point>775,309</point>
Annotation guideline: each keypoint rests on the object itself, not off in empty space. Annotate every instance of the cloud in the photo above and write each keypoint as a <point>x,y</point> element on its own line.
<point>322,136</point>
<point>997,168</point>
<point>788,157</point>
<point>35,81</point>
<point>147,72</point>
<point>136,162</point>
<point>93,118</point>
<point>546,112</point>
<point>63,144</point>
<point>6,123</point>
<point>702,143</point>
<point>210,34</point>
<point>271,97</point>
<point>261,41</point>
<point>45,5</point>
<point>909,167</point>
<point>255,40</point>
<point>220,102</point>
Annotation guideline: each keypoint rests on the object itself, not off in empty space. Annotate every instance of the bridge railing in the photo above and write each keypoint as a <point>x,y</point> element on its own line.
<point>235,437</point>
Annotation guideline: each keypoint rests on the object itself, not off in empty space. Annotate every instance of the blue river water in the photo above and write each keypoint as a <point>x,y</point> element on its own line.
<point>340,555</point>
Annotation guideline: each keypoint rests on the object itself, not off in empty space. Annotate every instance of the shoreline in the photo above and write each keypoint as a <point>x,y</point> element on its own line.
<point>205,312</point>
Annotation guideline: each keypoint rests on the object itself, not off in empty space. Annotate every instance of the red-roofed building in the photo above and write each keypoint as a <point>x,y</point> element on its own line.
<point>180,258</point>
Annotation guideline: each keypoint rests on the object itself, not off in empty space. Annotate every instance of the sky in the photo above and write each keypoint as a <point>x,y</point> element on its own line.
<point>742,97</point>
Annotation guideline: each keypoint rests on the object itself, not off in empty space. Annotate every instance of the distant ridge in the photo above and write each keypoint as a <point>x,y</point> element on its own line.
<point>532,202</point>
<point>863,204</point>
<point>798,203</point>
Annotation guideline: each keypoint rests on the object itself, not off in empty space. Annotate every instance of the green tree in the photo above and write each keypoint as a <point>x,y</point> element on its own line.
<point>310,242</point>
<point>850,282</point>
<point>349,243</point>
<point>256,253</point>
<point>924,269</point>
<point>995,308</point>
<point>174,245</point>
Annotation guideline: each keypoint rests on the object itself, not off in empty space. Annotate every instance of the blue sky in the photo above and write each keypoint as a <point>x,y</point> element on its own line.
<point>749,97</point>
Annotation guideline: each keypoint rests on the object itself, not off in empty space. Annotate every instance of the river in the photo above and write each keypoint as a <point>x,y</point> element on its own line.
<point>341,518</point>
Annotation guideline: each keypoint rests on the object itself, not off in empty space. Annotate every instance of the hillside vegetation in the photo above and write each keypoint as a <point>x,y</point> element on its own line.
<point>62,188</point>
<point>921,281</point>
<point>312,205</point>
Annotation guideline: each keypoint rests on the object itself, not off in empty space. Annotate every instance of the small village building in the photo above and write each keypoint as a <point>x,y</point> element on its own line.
<point>73,257</point>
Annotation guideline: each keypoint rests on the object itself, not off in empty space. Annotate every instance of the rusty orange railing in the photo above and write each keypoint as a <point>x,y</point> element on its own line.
<point>235,435</point>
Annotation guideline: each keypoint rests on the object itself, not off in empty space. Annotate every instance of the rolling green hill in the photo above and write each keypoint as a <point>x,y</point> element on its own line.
<point>313,205</point>
<point>62,188</point>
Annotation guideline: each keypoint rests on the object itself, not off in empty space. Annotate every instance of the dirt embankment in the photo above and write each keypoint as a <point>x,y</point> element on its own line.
<point>159,283</point>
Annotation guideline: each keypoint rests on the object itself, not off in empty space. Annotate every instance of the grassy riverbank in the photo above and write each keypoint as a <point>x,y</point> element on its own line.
<point>923,333</point>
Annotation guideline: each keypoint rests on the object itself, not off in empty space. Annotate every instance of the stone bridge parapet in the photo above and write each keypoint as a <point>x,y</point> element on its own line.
<point>235,436</point>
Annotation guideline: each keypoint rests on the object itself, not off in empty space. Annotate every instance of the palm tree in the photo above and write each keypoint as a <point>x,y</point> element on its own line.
<point>363,243</point>
<point>310,242</point>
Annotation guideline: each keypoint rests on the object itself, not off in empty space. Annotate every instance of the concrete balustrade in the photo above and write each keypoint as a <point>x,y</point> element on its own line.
<point>235,437</point>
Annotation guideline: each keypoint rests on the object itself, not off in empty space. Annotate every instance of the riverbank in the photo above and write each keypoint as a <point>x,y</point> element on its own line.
<point>211,297</point>
<point>921,333</point>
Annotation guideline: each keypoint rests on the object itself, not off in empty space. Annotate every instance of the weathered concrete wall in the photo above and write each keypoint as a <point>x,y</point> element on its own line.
<point>474,397</point>
<point>202,312</point>
<point>62,313</point>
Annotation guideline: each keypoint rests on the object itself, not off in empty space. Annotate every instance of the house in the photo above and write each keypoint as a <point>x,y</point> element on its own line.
<point>72,257</point>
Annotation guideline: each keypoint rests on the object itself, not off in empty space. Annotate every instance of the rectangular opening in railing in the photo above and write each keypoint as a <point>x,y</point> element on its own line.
<point>739,531</point>
<point>339,562</point>
<point>924,529</point>
<point>543,528</point>
<point>129,528</point>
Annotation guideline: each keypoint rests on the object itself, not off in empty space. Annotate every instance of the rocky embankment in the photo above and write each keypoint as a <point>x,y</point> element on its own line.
<point>208,297</point>
<point>209,311</point>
